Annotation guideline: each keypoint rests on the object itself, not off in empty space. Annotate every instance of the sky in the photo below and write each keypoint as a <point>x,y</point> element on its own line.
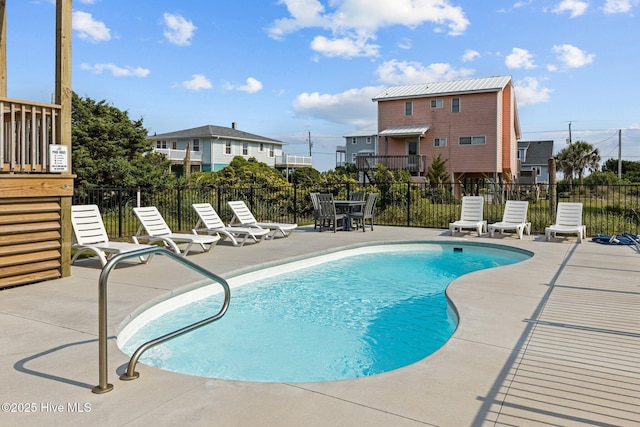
<point>303,71</point>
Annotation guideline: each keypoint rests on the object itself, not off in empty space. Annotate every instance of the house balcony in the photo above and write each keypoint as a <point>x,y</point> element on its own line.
<point>177,156</point>
<point>413,163</point>
<point>27,129</point>
<point>288,161</point>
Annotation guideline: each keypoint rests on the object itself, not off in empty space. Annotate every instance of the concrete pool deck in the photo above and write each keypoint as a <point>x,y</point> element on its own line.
<point>553,340</point>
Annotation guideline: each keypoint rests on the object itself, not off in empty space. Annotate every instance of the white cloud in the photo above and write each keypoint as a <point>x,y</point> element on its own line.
<point>344,47</point>
<point>402,72</point>
<point>619,6</point>
<point>573,57</point>
<point>529,91</point>
<point>178,30</point>
<point>575,7</point>
<point>405,44</point>
<point>90,29</point>
<point>354,23</point>
<point>353,107</point>
<point>470,55</point>
<point>252,86</point>
<point>198,82</point>
<point>519,58</point>
<point>116,71</point>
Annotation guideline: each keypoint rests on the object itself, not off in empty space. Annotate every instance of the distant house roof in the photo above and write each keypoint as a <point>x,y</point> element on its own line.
<point>537,152</point>
<point>214,132</point>
<point>368,131</point>
<point>484,84</point>
<point>405,130</point>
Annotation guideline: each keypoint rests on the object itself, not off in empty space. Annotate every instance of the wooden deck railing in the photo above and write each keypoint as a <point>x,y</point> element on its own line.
<point>413,163</point>
<point>26,131</point>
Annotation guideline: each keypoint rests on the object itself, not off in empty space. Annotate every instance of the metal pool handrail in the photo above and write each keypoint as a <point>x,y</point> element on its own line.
<point>131,374</point>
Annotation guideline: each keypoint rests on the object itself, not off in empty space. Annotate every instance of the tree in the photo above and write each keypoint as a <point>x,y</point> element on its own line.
<point>630,170</point>
<point>576,158</point>
<point>437,171</point>
<point>110,150</point>
<point>306,176</point>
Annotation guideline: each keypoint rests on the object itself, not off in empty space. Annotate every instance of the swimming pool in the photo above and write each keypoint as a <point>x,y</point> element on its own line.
<point>346,314</point>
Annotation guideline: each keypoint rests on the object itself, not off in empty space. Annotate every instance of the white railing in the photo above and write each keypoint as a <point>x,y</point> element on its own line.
<point>26,131</point>
<point>179,155</point>
<point>291,160</point>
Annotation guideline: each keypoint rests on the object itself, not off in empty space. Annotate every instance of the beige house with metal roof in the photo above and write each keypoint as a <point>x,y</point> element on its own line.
<point>473,123</point>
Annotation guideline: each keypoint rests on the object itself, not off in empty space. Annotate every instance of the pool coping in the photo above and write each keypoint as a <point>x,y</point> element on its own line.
<point>178,298</point>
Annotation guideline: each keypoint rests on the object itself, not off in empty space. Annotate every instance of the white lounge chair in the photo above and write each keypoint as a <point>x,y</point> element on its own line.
<point>471,215</point>
<point>568,221</point>
<point>210,222</point>
<point>158,231</point>
<point>244,218</point>
<point>513,218</point>
<point>89,235</point>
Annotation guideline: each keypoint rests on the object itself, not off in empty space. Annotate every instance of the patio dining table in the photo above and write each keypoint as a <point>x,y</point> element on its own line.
<point>345,207</point>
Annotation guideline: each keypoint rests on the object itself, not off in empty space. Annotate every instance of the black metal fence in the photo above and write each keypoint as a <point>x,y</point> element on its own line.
<point>607,209</point>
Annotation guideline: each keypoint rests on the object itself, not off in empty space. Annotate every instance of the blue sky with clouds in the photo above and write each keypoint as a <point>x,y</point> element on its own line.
<point>285,69</point>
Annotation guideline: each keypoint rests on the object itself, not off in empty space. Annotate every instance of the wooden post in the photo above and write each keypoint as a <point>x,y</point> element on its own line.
<point>3,49</point>
<point>553,187</point>
<point>63,97</point>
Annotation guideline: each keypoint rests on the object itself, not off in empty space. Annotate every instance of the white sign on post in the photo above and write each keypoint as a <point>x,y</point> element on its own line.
<point>58,158</point>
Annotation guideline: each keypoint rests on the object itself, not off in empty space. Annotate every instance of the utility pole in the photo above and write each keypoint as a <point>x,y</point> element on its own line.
<point>570,133</point>
<point>620,153</point>
<point>310,143</point>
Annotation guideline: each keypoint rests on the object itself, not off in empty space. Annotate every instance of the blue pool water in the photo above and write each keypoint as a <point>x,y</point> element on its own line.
<point>357,315</point>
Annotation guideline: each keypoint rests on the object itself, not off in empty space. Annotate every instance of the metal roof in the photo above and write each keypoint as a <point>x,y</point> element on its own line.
<point>214,132</point>
<point>405,130</point>
<point>484,84</point>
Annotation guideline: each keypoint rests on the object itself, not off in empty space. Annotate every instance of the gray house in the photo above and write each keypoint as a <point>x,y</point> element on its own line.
<point>533,157</point>
<point>362,142</point>
<point>211,148</point>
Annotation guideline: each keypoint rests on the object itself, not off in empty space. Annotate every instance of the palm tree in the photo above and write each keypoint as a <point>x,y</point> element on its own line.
<point>576,158</point>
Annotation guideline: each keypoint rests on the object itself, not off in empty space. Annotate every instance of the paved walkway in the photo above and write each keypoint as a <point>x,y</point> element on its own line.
<point>554,340</point>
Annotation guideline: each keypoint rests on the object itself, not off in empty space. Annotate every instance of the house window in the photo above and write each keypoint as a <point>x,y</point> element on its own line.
<point>368,140</point>
<point>472,140</point>
<point>408,108</point>
<point>521,154</point>
<point>161,144</point>
<point>455,105</point>
<point>261,147</point>
<point>353,157</point>
<point>196,145</point>
<point>271,154</point>
<point>440,142</point>
<point>436,103</point>
<point>245,148</point>
<point>354,140</point>
<point>227,147</point>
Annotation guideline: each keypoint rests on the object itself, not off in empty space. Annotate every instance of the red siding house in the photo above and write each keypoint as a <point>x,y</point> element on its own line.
<point>473,123</point>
